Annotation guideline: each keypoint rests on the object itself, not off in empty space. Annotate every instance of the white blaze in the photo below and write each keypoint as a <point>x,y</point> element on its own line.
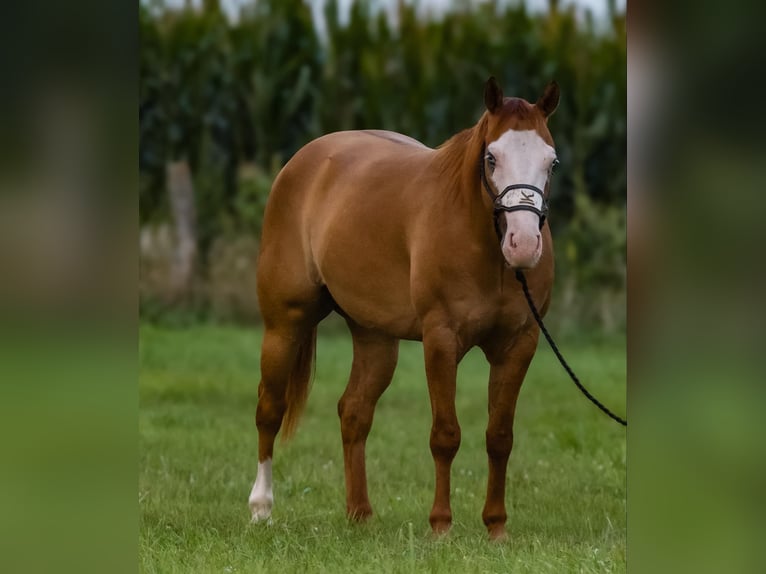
<point>262,497</point>
<point>521,156</point>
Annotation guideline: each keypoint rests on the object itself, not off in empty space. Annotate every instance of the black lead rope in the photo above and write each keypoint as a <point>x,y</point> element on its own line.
<point>591,398</point>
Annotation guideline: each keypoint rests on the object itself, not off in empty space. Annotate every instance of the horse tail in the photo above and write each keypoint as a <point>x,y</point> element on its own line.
<point>299,384</point>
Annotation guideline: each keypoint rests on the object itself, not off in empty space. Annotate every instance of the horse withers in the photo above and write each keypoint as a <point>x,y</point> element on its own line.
<point>408,242</point>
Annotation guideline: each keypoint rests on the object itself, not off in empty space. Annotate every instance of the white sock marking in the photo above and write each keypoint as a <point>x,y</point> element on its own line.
<point>262,497</point>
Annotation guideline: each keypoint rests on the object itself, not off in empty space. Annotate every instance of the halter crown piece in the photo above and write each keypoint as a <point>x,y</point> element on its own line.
<point>532,200</point>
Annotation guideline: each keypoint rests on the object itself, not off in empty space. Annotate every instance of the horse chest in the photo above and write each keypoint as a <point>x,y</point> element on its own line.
<point>487,318</point>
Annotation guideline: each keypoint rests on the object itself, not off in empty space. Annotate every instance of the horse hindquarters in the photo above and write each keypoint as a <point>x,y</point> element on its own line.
<point>285,376</point>
<point>291,306</point>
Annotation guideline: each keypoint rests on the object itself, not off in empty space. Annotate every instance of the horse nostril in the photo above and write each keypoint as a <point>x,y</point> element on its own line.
<point>512,241</point>
<point>538,241</point>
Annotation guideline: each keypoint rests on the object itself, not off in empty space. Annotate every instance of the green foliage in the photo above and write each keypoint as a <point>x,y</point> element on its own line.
<point>198,456</point>
<point>254,187</point>
<point>595,243</point>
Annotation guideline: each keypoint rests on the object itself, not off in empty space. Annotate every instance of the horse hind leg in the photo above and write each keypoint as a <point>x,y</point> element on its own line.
<point>375,357</point>
<point>287,355</point>
<point>279,354</point>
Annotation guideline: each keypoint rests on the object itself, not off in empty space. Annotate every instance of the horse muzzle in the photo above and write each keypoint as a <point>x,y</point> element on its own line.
<point>522,243</point>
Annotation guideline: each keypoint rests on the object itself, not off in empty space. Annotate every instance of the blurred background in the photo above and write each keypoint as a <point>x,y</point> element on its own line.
<point>230,90</point>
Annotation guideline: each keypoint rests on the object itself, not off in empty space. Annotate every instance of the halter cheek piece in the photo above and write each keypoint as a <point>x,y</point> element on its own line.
<point>520,201</point>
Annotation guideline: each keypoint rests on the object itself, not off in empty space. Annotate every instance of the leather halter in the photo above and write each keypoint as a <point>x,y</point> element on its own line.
<point>525,203</point>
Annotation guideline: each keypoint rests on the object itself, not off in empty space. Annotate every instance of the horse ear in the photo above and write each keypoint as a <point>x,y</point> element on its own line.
<point>493,95</point>
<point>549,101</point>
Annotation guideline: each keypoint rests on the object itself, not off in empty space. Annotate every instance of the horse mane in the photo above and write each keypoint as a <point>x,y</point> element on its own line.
<point>452,155</point>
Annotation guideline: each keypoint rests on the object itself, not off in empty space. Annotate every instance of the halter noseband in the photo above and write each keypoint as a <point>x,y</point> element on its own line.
<point>520,201</point>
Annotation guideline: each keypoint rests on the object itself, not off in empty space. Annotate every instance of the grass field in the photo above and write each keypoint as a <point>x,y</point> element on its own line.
<point>198,456</point>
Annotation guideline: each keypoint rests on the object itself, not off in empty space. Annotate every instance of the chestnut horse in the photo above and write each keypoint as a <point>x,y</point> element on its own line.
<point>408,242</point>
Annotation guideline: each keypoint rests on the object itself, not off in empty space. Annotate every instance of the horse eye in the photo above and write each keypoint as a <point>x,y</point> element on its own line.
<point>555,163</point>
<point>491,161</point>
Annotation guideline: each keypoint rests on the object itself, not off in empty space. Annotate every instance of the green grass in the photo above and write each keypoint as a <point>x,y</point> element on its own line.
<point>198,456</point>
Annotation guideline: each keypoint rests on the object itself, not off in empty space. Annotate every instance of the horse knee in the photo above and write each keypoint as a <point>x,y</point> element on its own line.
<point>499,442</point>
<point>445,440</point>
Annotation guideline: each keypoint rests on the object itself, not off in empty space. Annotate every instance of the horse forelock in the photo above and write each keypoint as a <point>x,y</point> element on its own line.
<point>518,114</point>
<point>519,108</point>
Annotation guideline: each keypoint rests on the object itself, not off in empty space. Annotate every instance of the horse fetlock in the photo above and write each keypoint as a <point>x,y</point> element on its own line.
<point>495,518</point>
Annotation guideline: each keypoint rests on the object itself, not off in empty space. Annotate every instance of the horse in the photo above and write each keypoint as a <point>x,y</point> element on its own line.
<point>408,242</point>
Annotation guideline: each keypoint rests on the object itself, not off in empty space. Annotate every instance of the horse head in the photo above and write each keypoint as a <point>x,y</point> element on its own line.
<point>519,156</point>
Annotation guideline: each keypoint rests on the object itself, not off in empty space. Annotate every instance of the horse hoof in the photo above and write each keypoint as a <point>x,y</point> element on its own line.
<point>359,514</point>
<point>260,509</point>
<point>498,534</point>
<point>440,528</point>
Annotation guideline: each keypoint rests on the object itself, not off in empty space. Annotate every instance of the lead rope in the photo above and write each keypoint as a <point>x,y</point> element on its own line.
<point>591,398</point>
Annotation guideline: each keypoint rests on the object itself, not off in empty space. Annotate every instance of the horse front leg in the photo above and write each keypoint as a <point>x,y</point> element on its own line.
<point>508,366</point>
<point>441,357</point>
<point>375,357</point>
